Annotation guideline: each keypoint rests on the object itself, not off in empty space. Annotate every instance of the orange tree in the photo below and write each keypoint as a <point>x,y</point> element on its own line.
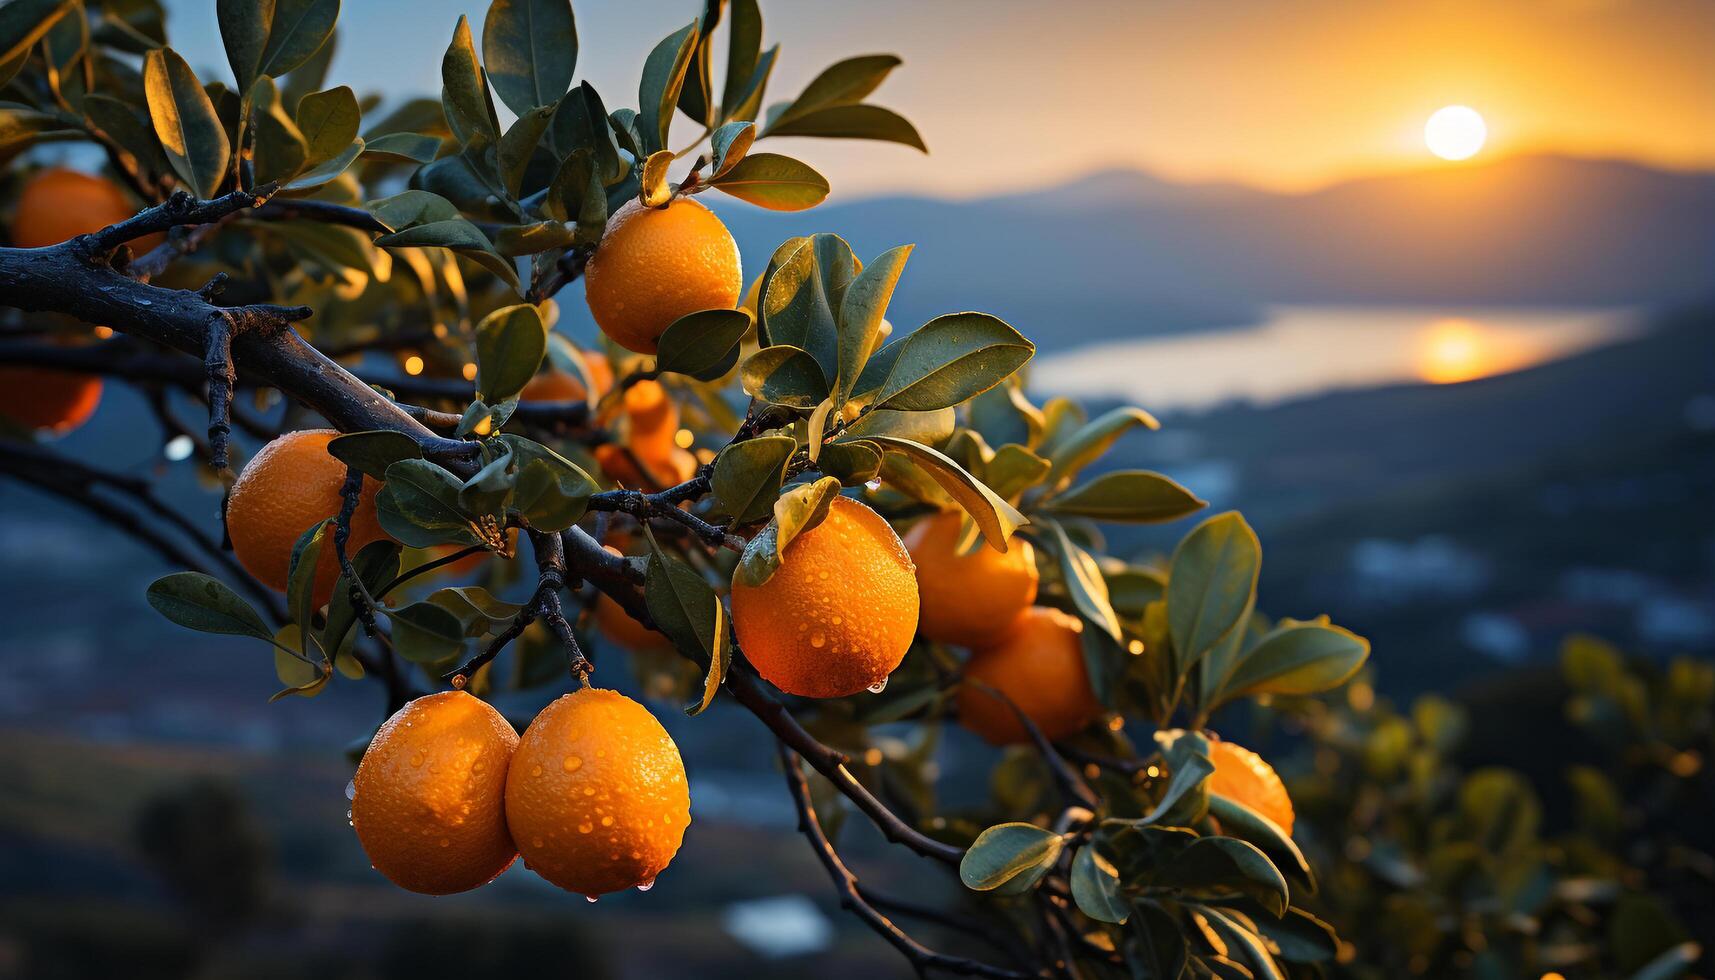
<point>727,471</point>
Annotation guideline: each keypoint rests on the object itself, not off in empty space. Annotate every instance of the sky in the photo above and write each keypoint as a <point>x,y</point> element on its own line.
<point>1011,94</point>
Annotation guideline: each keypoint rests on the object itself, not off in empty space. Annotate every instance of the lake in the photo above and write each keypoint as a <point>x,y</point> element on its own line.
<point>1299,351</point>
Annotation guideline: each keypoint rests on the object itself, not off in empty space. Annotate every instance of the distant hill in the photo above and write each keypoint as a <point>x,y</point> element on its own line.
<point>1120,253</point>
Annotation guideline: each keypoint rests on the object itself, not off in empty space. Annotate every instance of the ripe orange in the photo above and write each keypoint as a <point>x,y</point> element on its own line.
<point>970,600</point>
<point>651,429</point>
<point>429,807</point>
<point>1242,776</point>
<point>654,265</point>
<point>58,204</point>
<point>555,385</point>
<point>1039,666</point>
<point>839,613</point>
<point>596,796</point>
<point>285,489</point>
<point>46,399</point>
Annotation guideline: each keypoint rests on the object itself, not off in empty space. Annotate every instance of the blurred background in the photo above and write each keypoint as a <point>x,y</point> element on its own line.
<point>1425,288</point>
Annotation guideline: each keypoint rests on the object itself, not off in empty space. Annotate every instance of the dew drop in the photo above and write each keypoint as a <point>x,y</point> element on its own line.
<point>537,842</point>
<point>535,770</point>
<point>445,842</point>
<point>645,886</point>
<point>818,639</point>
<point>572,763</point>
<point>590,899</point>
<point>417,760</point>
<point>145,302</point>
<point>607,821</point>
<point>872,485</point>
<point>585,827</point>
<point>878,686</point>
<point>351,790</point>
<point>837,620</point>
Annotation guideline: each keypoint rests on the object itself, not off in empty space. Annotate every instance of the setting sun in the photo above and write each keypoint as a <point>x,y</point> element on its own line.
<point>1455,132</point>
<point>1455,349</point>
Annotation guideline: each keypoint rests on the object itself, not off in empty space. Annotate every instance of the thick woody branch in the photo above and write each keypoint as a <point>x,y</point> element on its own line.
<point>922,958</point>
<point>182,208</point>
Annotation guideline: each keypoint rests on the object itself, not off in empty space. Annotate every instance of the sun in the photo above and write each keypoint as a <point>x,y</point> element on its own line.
<point>1455,132</point>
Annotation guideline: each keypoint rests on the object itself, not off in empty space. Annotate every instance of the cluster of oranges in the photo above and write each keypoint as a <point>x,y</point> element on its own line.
<point>54,206</point>
<point>593,796</point>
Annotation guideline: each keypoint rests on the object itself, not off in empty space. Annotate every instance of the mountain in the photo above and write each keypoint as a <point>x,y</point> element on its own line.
<point>1121,254</point>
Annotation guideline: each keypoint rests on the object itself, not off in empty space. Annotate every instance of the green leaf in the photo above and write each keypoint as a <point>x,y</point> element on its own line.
<point>773,181</point>
<point>744,50</point>
<point>185,122</point>
<point>784,375</point>
<point>685,608</point>
<point>202,603</point>
<point>748,476</point>
<point>1083,578</point>
<point>540,236</point>
<point>1300,937</point>
<point>702,345</point>
<point>476,608</point>
<point>860,313</point>
<point>1298,658</point>
<point>1004,415</point>
<point>997,518</point>
<point>929,428</point>
<point>1242,943</point>
<point>581,123</point>
<point>552,492</point>
<point>328,122</point>
<point>1009,852</point>
<point>796,511</point>
<point>296,32</point>
<point>945,362</point>
<point>1238,820</point>
<point>278,149</point>
<point>419,505</point>
<point>1013,470</point>
<point>864,122</point>
<point>23,22</point>
<point>488,490</point>
<point>530,48</point>
<point>1096,887</point>
<point>1158,948</point>
<point>372,452</point>
<point>402,147</point>
<point>519,145</point>
<point>376,565</point>
<point>1130,497</point>
<point>1215,864</point>
<point>843,83</point>
<point>464,90</point>
<point>853,463</point>
<point>426,632</point>
<point>411,208</point>
<point>301,574</point>
<point>1211,587</point>
<point>329,169</point>
<point>510,343</point>
<point>658,91</point>
<point>244,33</point>
<point>1085,444</point>
<point>131,129</point>
<point>729,144</point>
<point>1186,799</point>
<point>801,295</point>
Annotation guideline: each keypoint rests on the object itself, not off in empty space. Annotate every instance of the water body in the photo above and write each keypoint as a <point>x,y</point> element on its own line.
<point>1299,351</point>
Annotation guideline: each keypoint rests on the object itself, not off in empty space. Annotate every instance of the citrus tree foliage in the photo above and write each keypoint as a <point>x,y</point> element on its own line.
<point>1593,868</point>
<point>431,234</point>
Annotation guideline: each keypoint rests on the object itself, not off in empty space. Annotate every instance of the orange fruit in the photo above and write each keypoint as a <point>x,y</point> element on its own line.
<point>1242,776</point>
<point>671,467</point>
<point>429,807</point>
<point>555,385</point>
<point>596,796</point>
<point>970,600</point>
<point>654,418</point>
<point>654,265</point>
<point>1039,666</point>
<point>620,629</point>
<point>47,399</point>
<point>288,486</point>
<point>838,614</point>
<point>58,204</point>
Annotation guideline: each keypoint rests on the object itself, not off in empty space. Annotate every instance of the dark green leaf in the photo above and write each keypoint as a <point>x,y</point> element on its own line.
<point>419,505</point>
<point>997,518</point>
<point>801,295</point>
<point>301,574</point>
<point>658,92</point>
<point>860,314</point>
<point>328,122</point>
<point>478,610</point>
<point>1008,852</point>
<point>744,48</point>
<point>775,182</point>
<point>1083,578</point>
<point>1096,887</point>
<point>784,375</point>
<point>1083,445</point>
<point>23,22</point>
<point>552,492</point>
<point>202,603</point>
<point>1128,496</point>
<point>928,428</point>
<point>748,476</point>
<point>464,90</point>
<point>702,345</point>
<point>530,48</point>
<point>1238,820</point>
<point>1013,470</point>
<point>796,511</point>
<point>296,32</point>
<point>376,565</point>
<point>843,83</point>
<point>530,239</point>
<point>1186,798</point>
<point>1156,947</point>
<point>372,452</point>
<point>1298,658</point>
<point>426,632</point>
<point>729,144</point>
<point>945,362</point>
<point>853,463</point>
<point>864,122</point>
<point>684,607</point>
<point>402,147</point>
<point>1211,587</point>
<point>1217,864</point>
<point>244,32</point>
<point>519,144</point>
<point>582,123</point>
<point>185,122</point>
